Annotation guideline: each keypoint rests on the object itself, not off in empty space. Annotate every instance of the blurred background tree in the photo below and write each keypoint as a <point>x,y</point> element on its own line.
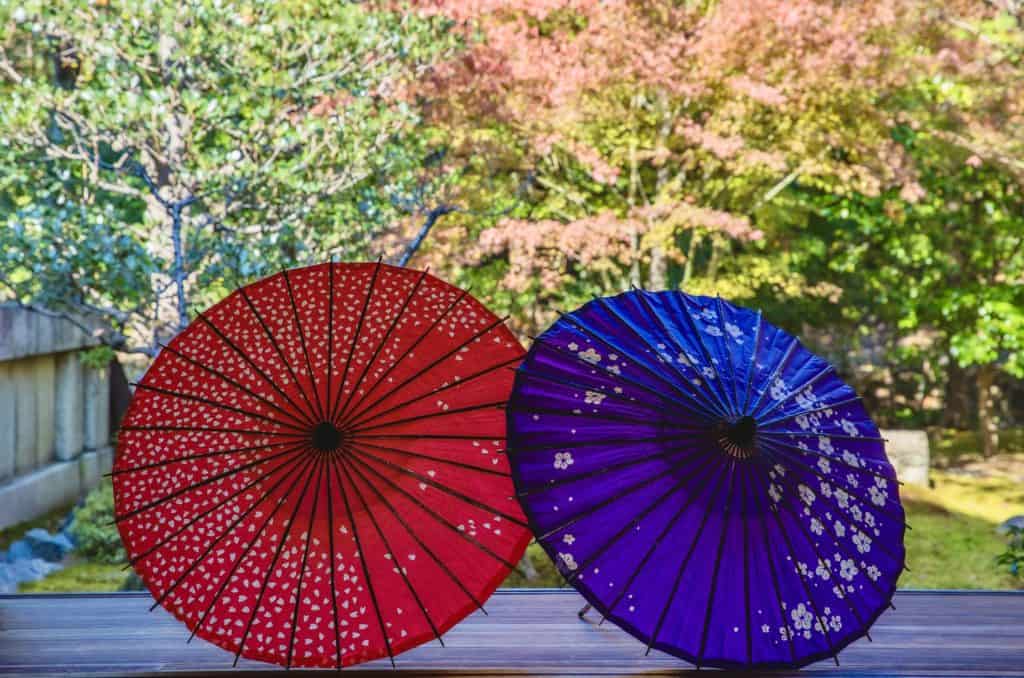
<point>853,169</point>
<point>272,128</point>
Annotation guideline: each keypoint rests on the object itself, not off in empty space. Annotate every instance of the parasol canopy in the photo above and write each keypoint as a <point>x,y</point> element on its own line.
<point>311,473</point>
<point>705,481</point>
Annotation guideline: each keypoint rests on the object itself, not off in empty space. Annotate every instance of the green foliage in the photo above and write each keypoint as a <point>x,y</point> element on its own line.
<point>97,358</point>
<point>96,537</point>
<point>1013,558</point>
<point>284,119</point>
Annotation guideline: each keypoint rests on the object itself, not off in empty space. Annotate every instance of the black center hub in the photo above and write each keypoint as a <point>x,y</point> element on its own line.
<point>738,438</point>
<point>742,431</point>
<point>327,437</point>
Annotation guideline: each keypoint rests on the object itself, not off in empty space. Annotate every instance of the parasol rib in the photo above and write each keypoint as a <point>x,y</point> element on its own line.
<point>436,516</point>
<point>426,368</point>
<point>440,460</point>
<point>298,471</point>
<point>223,502</point>
<point>202,483</point>
<point>365,567</point>
<point>753,364</point>
<point>679,406</point>
<point>829,369</point>
<point>453,384</point>
<point>643,514</point>
<point>277,554</point>
<point>686,561</point>
<point>384,339</point>
<point>718,408</point>
<point>619,494</point>
<point>219,405</point>
<point>352,348</point>
<point>249,361</point>
<point>358,449</point>
<point>718,563</point>
<point>541,489</point>
<point>359,411</point>
<point>387,547</point>
<point>193,457</point>
<point>303,419</point>
<point>302,566</point>
<point>305,349</point>
<point>401,521</point>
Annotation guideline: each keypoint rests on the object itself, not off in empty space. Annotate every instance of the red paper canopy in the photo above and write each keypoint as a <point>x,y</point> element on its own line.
<point>312,473</point>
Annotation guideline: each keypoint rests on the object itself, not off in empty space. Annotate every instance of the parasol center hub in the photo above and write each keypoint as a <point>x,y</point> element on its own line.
<point>327,436</point>
<point>742,431</point>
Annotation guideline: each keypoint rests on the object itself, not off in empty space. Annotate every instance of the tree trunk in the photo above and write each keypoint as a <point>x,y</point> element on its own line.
<point>957,405</point>
<point>657,275</point>
<point>988,419</point>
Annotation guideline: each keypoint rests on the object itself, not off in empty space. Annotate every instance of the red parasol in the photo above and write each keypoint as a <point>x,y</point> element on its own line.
<point>311,474</point>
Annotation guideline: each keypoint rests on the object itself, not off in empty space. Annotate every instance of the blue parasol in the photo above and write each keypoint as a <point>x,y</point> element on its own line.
<point>705,481</point>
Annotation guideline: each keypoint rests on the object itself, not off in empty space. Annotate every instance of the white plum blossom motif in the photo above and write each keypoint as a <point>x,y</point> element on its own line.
<point>806,494</point>
<point>802,617</point>
<point>840,529</point>
<point>573,346</point>
<point>593,397</point>
<point>826,489</point>
<point>568,539</point>
<point>806,399</point>
<point>869,519</point>
<point>822,570</point>
<point>849,428</point>
<point>862,541</point>
<point>878,496</point>
<point>842,498</point>
<point>851,459</point>
<point>816,526</point>
<point>873,572</point>
<point>713,330</point>
<point>779,390</point>
<point>734,331</point>
<point>825,465</point>
<point>765,628</point>
<point>708,372</point>
<point>847,569</point>
<point>775,492</point>
<point>570,562</point>
<point>825,445</point>
<point>590,355</point>
<point>835,623</point>
<point>780,469</point>
<point>708,314</point>
<point>881,482</point>
<point>563,460</point>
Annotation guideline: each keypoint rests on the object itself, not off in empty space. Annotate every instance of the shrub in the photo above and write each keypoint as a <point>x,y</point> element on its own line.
<point>96,537</point>
<point>1013,557</point>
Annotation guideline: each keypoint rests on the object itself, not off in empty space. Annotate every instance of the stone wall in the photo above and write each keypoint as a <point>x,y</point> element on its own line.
<point>909,453</point>
<point>54,415</point>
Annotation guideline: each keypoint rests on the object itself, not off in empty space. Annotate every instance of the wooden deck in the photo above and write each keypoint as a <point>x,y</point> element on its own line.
<point>527,633</point>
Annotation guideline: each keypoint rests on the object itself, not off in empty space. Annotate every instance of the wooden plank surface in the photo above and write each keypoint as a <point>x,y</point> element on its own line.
<point>526,633</point>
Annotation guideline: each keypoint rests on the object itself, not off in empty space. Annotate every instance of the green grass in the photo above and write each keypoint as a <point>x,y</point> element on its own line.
<point>49,521</point>
<point>79,576</point>
<point>948,550</point>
